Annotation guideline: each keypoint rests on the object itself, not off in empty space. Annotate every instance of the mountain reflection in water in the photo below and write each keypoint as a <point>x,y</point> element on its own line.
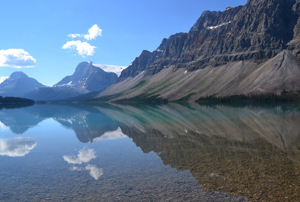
<point>87,122</point>
<point>249,151</point>
<point>254,152</point>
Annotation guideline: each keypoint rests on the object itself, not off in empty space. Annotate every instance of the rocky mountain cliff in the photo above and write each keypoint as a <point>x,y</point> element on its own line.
<point>249,49</point>
<point>146,59</point>
<point>18,84</point>
<point>86,78</point>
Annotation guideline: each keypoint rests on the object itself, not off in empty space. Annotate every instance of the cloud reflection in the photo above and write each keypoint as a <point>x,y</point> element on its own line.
<point>95,172</point>
<point>3,126</point>
<point>75,168</point>
<point>111,135</point>
<point>16,147</point>
<point>83,157</point>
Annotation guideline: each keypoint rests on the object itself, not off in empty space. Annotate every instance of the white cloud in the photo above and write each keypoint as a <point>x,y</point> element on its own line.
<point>83,48</point>
<point>17,58</point>
<point>75,35</point>
<point>16,147</point>
<point>94,31</point>
<point>111,68</point>
<point>95,172</point>
<point>3,78</point>
<point>84,156</point>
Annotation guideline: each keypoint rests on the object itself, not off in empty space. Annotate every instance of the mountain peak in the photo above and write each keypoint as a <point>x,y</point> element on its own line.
<point>18,84</point>
<point>17,75</point>
<point>88,78</point>
<point>86,63</point>
<point>256,2</point>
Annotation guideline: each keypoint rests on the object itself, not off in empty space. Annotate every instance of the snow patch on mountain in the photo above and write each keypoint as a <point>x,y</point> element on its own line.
<point>67,84</point>
<point>220,25</point>
<point>159,50</point>
<point>111,68</point>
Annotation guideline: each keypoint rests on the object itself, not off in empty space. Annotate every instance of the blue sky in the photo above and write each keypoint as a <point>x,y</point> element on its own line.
<point>34,32</point>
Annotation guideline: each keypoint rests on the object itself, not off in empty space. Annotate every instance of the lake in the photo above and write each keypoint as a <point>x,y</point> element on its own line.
<point>169,152</point>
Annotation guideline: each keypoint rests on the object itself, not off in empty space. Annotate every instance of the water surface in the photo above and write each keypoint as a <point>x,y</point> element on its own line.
<point>149,153</point>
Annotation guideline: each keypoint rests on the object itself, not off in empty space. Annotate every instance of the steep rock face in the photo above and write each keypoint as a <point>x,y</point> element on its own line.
<point>294,45</point>
<point>86,78</point>
<point>231,47</point>
<point>137,66</point>
<point>257,31</point>
<point>146,59</point>
<point>18,84</point>
<point>170,54</point>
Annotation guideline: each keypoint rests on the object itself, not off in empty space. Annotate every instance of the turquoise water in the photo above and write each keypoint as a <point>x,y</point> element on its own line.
<point>149,153</point>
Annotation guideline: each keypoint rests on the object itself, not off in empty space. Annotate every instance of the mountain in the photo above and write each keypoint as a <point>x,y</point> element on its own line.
<point>146,59</point>
<point>18,84</point>
<point>250,49</point>
<point>86,78</point>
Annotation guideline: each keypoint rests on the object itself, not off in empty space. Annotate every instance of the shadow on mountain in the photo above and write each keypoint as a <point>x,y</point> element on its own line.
<point>254,152</point>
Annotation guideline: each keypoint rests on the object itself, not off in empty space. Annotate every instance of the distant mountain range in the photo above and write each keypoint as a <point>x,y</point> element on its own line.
<point>86,78</point>
<point>18,84</point>
<point>250,49</point>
